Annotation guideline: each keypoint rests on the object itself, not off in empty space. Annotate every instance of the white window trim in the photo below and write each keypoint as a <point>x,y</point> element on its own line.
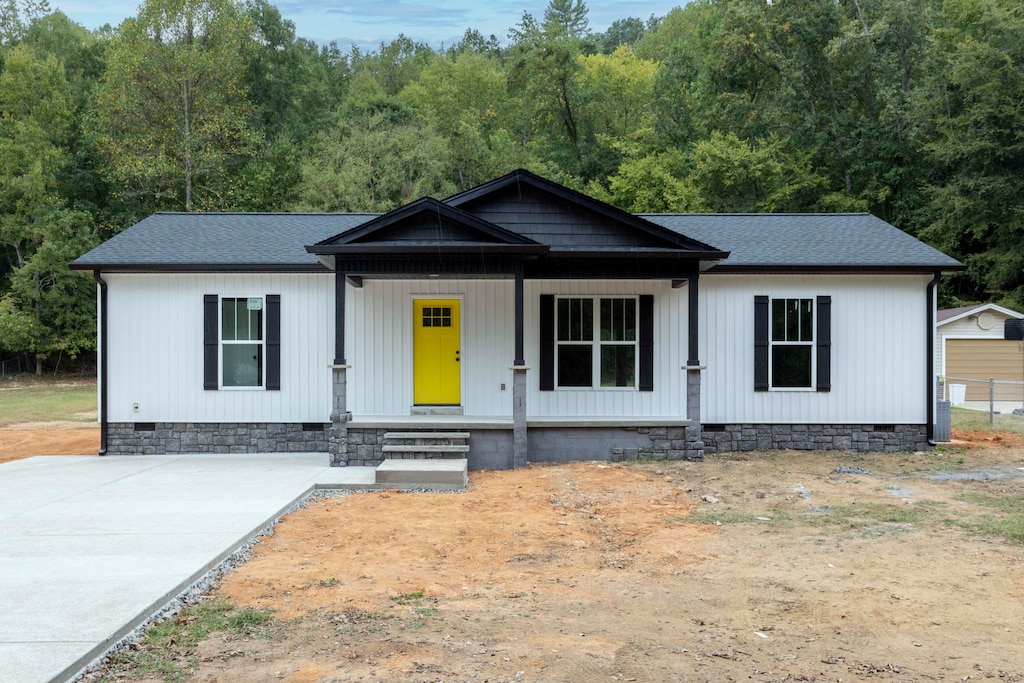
<point>813,343</point>
<point>596,343</point>
<point>221,342</point>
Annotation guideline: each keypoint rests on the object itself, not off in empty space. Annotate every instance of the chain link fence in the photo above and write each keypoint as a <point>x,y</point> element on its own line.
<point>9,368</point>
<point>997,397</point>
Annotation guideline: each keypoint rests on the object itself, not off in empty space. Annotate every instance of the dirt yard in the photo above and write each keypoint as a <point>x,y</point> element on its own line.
<point>760,567</point>
<point>51,438</point>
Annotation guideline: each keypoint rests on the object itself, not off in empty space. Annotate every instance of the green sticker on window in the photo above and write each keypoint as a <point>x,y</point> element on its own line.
<point>254,303</point>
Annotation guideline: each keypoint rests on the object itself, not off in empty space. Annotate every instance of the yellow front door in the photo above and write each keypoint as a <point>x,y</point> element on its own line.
<point>436,350</point>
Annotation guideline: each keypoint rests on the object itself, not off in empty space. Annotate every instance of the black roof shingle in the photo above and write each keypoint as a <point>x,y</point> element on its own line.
<point>247,241</point>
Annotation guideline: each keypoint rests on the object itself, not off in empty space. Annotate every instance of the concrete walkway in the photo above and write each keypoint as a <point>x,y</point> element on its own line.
<point>90,547</point>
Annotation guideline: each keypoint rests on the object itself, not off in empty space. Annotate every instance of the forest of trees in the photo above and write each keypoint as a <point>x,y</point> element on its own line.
<point>910,109</point>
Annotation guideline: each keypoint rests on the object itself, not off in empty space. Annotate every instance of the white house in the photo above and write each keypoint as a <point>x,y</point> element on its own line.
<point>521,321</point>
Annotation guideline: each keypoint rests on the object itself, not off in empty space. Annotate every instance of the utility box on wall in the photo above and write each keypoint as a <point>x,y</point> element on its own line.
<point>943,422</point>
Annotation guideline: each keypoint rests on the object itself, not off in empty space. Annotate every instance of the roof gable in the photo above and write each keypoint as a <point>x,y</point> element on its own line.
<point>951,315</point>
<point>555,215</point>
<point>425,223</point>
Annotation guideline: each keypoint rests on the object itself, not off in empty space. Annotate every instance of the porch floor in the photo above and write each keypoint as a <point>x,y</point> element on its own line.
<point>502,422</point>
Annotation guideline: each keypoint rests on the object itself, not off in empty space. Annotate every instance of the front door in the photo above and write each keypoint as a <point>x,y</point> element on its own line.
<point>436,348</point>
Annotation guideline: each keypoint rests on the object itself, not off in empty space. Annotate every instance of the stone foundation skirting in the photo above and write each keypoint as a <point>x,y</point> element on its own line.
<point>140,438</point>
<point>615,444</point>
<point>804,437</point>
<point>492,449</point>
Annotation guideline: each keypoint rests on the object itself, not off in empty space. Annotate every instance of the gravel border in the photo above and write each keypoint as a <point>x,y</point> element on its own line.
<point>201,587</point>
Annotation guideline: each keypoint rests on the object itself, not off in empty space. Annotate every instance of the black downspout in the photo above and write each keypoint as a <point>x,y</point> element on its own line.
<point>930,355</point>
<point>103,361</point>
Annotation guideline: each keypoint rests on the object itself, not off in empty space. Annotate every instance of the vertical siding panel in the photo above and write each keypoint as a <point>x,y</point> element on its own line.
<point>878,339</point>
<point>155,335</point>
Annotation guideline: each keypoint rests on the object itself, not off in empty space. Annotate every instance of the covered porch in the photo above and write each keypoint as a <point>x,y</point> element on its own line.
<point>574,338</point>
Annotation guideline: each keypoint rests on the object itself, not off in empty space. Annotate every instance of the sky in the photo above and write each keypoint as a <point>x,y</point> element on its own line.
<point>368,23</point>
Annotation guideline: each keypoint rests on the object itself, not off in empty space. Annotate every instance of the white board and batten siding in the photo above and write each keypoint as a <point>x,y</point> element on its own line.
<point>379,349</point>
<point>379,330</point>
<point>667,401</point>
<point>879,342</point>
<point>155,347</point>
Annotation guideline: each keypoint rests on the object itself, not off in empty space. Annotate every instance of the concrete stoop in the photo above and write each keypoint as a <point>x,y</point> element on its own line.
<point>448,474</point>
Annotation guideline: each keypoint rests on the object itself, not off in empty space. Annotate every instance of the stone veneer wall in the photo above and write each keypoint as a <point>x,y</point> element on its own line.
<point>752,437</point>
<point>492,449</point>
<point>215,437</point>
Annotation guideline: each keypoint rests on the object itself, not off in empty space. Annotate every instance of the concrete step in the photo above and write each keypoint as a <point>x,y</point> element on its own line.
<point>425,448</point>
<point>451,436</point>
<point>443,474</point>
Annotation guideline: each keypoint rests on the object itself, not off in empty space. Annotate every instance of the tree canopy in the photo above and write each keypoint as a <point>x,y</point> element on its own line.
<point>909,109</point>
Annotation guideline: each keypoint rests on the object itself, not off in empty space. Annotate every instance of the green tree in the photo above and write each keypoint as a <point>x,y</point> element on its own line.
<point>729,175</point>
<point>46,308</point>
<point>172,107</point>
<point>566,18</point>
<point>376,158</point>
<point>972,104</point>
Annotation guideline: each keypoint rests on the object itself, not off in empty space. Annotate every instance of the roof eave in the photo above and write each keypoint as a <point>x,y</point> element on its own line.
<point>852,268</point>
<point>359,248</point>
<point>313,267</point>
<point>974,310</point>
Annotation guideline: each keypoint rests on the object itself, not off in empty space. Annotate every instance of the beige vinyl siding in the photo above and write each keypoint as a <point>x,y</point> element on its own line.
<point>985,359</point>
<point>964,327</point>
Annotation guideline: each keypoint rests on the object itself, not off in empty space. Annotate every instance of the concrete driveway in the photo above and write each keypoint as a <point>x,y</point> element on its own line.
<point>90,547</point>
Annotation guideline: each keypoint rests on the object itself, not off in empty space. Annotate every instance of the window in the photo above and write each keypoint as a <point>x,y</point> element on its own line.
<point>437,316</point>
<point>602,346</point>
<point>792,343</point>
<point>241,320</point>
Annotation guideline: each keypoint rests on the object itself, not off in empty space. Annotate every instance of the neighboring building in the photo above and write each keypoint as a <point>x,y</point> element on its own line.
<point>543,323</point>
<point>969,344</point>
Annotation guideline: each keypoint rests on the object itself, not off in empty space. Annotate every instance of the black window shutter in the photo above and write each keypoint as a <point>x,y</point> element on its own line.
<point>646,342</point>
<point>547,342</point>
<point>210,341</point>
<point>824,343</point>
<point>760,343</point>
<point>273,341</point>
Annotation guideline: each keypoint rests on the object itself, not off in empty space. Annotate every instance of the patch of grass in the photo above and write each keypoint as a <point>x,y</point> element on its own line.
<point>327,583</point>
<point>731,517</point>
<point>425,611</point>
<point>858,515</point>
<point>408,598</point>
<point>168,648</point>
<point>249,619</point>
<point>977,420</point>
<point>1005,521</point>
<point>47,402</point>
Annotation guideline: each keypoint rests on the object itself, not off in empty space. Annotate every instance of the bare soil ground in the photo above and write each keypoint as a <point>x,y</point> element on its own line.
<point>754,567</point>
<point>49,438</point>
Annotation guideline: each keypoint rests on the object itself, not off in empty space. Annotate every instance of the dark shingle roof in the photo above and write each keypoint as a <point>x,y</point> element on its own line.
<point>807,240</point>
<point>185,240</point>
<point>226,241</point>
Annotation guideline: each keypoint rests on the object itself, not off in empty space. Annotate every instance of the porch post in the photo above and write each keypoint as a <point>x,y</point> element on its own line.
<point>519,448</point>
<point>338,439</point>
<point>693,353</point>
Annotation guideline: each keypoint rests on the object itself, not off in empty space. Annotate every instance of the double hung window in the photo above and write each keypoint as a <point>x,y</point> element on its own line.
<point>242,341</point>
<point>596,342</point>
<point>792,343</point>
